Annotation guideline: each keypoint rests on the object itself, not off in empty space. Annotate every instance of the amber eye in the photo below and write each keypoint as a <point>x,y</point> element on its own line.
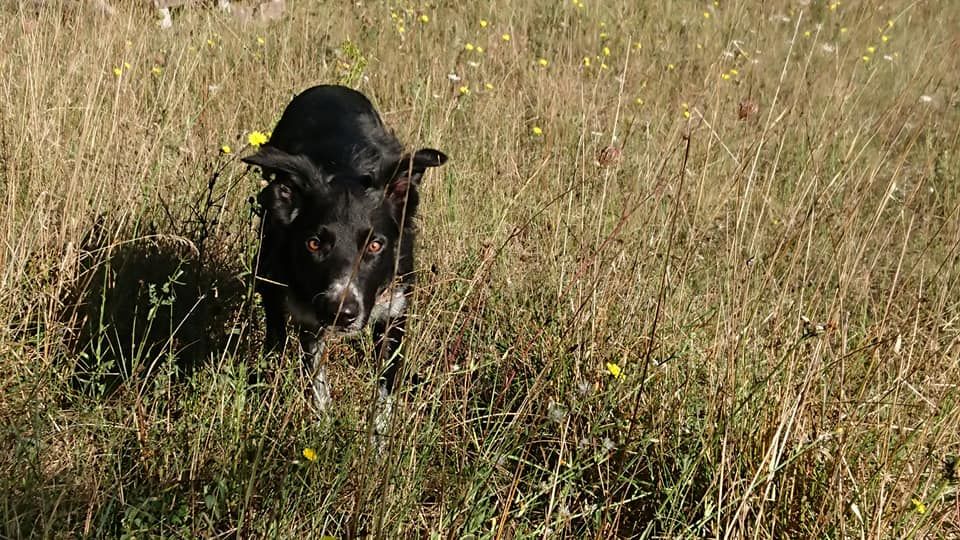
<point>374,246</point>
<point>313,245</point>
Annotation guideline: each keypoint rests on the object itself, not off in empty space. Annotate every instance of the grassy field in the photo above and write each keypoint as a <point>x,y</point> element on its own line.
<point>692,271</point>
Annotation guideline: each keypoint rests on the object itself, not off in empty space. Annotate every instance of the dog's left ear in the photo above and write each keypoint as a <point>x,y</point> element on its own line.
<point>408,172</point>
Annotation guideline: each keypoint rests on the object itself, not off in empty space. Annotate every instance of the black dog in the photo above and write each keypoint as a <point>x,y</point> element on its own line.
<point>338,236</point>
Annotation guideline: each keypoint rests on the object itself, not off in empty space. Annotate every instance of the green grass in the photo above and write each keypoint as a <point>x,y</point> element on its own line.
<point>779,287</point>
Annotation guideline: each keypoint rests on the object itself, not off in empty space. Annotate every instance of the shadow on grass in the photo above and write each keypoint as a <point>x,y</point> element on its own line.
<point>146,301</point>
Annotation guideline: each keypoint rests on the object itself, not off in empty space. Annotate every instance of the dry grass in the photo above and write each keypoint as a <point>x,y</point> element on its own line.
<point>779,291</point>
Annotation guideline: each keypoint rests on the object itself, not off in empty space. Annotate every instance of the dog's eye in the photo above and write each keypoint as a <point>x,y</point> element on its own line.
<point>375,246</point>
<point>313,245</point>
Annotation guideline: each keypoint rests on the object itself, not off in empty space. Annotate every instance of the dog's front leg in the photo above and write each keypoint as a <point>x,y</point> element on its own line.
<point>387,339</point>
<point>315,371</point>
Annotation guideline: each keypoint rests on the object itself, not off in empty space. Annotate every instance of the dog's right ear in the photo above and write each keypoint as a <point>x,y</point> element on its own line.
<point>274,162</point>
<point>292,175</point>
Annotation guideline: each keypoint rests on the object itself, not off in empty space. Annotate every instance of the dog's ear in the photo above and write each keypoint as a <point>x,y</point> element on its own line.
<point>299,168</point>
<point>292,176</point>
<point>281,202</point>
<point>408,171</point>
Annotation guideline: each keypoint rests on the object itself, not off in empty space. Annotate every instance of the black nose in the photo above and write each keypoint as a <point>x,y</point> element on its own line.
<point>346,310</point>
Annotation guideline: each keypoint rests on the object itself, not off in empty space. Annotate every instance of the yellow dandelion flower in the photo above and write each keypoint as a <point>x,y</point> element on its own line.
<point>505,37</point>
<point>834,6</point>
<point>211,43</point>
<point>225,149</point>
<point>480,50</point>
<point>156,70</point>
<point>639,101</point>
<point>468,47</point>
<point>614,370</point>
<point>865,58</point>
<point>261,41</point>
<point>843,30</point>
<point>543,62</point>
<point>401,29</point>
<point>464,90</point>
<point>637,46</point>
<point>483,23</point>
<point>871,49</point>
<point>734,72</point>
<point>488,86</point>
<point>706,14</point>
<point>606,51</point>
<point>603,24</point>
<point>603,65</point>
<point>126,65</point>
<point>257,138</point>
<point>889,23</point>
<point>671,67</point>
<point>424,18</point>
<point>919,506</point>
<point>603,35</point>
<point>117,71</point>
<point>537,131</point>
<point>884,38</point>
<point>586,61</point>
<point>725,76</point>
<point>310,454</point>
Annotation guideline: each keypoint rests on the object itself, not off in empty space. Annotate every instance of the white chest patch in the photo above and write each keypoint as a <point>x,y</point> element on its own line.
<point>390,304</point>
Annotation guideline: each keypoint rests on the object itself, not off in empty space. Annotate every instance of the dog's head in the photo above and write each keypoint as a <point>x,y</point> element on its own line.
<point>344,235</point>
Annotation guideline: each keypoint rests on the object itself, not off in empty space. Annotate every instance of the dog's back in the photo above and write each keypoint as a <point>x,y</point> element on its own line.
<point>339,130</point>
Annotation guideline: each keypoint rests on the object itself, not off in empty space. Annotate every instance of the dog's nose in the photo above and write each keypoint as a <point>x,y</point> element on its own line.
<point>349,310</point>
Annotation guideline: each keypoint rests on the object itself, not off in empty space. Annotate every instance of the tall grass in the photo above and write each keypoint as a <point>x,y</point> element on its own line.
<point>713,294</point>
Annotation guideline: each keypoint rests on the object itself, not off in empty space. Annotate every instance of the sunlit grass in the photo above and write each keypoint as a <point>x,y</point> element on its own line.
<point>691,271</point>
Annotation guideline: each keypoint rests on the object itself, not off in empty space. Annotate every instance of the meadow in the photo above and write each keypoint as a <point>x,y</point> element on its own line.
<point>691,272</point>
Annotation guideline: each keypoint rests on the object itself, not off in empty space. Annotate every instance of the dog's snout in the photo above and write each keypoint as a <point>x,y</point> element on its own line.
<point>349,310</point>
<point>346,310</point>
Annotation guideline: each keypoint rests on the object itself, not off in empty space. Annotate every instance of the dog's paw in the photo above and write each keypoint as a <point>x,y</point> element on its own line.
<point>382,419</point>
<point>320,386</point>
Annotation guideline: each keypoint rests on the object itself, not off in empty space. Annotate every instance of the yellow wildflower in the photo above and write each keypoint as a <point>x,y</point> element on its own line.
<point>543,62</point>
<point>865,58</point>
<point>256,138</point>
<point>424,18</point>
<point>468,46</point>
<point>464,90</point>
<point>537,131</point>
<point>586,61</point>
<point>919,506</point>
<point>310,454</point>
<point>488,86</point>
<point>505,37</point>
<point>614,370</point>
<point>606,51</point>
<point>261,41</point>
<point>706,14</point>
<point>483,23</point>
<point>225,149</point>
<point>156,70</point>
<point>480,50</point>
<point>871,49</point>
<point>117,71</point>
<point>884,38</point>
